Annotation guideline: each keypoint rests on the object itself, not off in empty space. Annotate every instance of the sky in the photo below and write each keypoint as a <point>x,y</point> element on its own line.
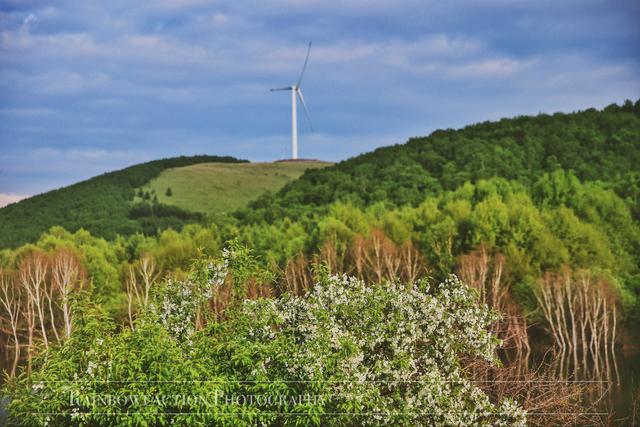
<point>92,86</point>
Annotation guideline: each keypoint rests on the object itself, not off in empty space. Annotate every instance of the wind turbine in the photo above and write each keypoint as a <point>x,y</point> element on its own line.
<point>296,92</point>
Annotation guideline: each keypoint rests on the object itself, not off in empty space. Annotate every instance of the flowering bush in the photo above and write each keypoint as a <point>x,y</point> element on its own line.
<point>177,301</point>
<point>376,354</point>
<point>102,377</point>
<point>346,354</point>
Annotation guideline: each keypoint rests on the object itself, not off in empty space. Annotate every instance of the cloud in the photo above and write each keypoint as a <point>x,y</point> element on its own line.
<point>494,67</point>
<point>176,5</point>
<point>8,198</point>
<point>230,54</point>
<point>26,112</point>
<point>91,86</point>
<point>29,19</point>
<point>24,172</point>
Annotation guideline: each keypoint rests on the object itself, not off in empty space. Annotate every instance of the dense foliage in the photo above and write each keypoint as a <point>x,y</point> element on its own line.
<point>559,222</point>
<point>594,145</point>
<point>102,205</point>
<point>345,354</point>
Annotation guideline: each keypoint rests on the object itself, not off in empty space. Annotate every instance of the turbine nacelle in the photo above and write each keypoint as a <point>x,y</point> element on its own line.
<point>294,87</point>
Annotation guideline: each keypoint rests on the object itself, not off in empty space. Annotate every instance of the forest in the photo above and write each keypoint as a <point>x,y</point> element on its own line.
<point>594,145</point>
<point>515,238</point>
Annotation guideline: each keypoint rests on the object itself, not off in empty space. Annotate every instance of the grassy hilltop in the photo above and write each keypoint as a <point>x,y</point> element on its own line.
<point>223,187</point>
<point>110,204</point>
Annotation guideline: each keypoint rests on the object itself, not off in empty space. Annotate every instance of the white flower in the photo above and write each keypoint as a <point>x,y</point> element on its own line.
<point>90,368</point>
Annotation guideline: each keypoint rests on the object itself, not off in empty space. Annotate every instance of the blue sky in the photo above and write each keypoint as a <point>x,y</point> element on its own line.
<point>91,86</point>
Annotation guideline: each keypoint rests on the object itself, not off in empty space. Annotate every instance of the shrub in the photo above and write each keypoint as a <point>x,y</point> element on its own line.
<point>345,354</point>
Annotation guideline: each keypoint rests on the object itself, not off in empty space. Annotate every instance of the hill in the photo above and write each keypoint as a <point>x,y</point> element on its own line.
<point>135,199</point>
<point>223,187</point>
<point>102,205</point>
<point>594,145</point>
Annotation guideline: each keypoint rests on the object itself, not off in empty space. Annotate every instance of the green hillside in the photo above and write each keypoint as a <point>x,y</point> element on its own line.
<point>593,145</point>
<point>547,192</point>
<point>102,205</point>
<point>135,199</point>
<point>223,187</point>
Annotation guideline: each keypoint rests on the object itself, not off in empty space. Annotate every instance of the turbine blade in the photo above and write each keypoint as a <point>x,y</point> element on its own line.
<point>304,67</point>
<point>304,107</point>
<point>281,88</point>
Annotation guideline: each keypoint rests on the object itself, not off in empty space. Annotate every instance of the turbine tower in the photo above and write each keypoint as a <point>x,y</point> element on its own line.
<point>296,92</point>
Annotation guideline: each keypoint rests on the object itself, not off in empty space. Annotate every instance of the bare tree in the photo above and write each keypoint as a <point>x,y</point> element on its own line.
<point>580,311</point>
<point>66,275</point>
<point>485,273</point>
<point>412,263</point>
<point>33,274</point>
<point>297,276</point>
<point>374,254</point>
<point>10,299</point>
<point>141,278</point>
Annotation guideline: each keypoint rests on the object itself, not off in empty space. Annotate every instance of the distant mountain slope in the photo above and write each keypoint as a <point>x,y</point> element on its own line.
<point>595,145</point>
<point>223,187</point>
<point>103,205</point>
